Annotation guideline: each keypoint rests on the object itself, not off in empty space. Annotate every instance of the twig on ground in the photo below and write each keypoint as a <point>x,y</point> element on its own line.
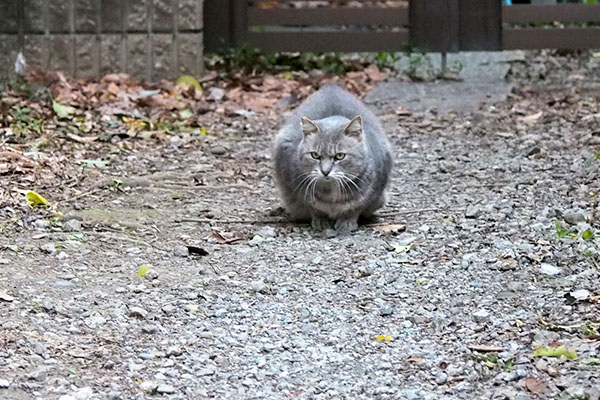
<point>233,221</point>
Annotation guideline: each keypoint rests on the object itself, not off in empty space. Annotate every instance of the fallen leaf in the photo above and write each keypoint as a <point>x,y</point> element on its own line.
<point>81,139</point>
<point>483,348</point>
<point>225,238</point>
<point>5,296</point>
<point>531,119</point>
<point>535,385</point>
<point>390,228</point>
<point>587,234</point>
<point>143,270</point>
<point>402,249</point>
<point>197,250</point>
<point>188,81</point>
<point>560,351</point>
<point>34,199</point>
<point>62,111</point>
<point>382,338</point>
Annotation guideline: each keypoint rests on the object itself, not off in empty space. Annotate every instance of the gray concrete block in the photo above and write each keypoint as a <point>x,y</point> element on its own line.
<point>87,56</point>
<point>137,15</point>
<point>9,47</point>
<point>35,51</point>
<point>162,57</point>
<point>163,12</point>
<point>9,16</point>
<point>35,22</point>
<point>111,54</point>
<point>138,56</point>
<point>60,53</point>
<point>111,14</point>
<point>190,15</point>
<point>59,17</point>
<point>190,54</point>
<point>86,13</point>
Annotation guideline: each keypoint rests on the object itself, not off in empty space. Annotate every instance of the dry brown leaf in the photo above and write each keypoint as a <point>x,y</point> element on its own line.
<point>391,228</point>
<point>484,348</point>
<point>535,385</point>
<point>531,119</point>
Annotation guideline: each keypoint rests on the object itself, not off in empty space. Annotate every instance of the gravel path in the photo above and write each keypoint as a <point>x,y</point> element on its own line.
<point>449,304</point>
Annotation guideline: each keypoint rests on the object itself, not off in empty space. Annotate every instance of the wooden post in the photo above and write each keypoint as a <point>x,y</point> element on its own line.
<point>434,25</point>
<point>480,25</point>
<point>239,21</point>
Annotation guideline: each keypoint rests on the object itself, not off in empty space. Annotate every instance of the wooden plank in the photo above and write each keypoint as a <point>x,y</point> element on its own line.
<point>329,16</point>
<point>526,13</point>
<point>328,41</point>
<point>480,26</point>
<point>239,21</point>
<point>555,38</point>
<point>434,25</point>
<point>217,30</point>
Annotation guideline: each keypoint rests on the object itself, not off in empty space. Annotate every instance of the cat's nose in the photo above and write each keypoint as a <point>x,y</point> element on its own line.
<point>326,167</point>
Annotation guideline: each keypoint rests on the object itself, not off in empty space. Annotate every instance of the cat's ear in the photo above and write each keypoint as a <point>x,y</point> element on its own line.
<point>355,128</point>
<point>308,126</point>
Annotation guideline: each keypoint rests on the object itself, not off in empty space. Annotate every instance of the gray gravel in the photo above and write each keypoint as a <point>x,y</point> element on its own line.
<point>452,307</point>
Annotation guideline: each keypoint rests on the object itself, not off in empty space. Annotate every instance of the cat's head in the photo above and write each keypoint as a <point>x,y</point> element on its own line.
<point>332,148</point>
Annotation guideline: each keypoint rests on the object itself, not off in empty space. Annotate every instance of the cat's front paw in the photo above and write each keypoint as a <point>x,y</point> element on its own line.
<point>320,224</point>
<point>346,225</point>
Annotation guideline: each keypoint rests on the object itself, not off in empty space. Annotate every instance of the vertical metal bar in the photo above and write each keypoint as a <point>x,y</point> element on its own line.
<point>444,63</point>
<point>21,26</point>
<point>124,38</point>
<point>98,39</point>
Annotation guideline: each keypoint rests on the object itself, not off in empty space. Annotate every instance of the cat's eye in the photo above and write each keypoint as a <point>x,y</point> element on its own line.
<point>339,156</point>
<point>315,155</point>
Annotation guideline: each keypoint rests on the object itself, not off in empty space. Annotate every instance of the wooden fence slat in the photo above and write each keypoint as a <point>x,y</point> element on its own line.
<point>328,41</point>
<point>555,38</point>
<point>329,16</point>
<point>528,13</point>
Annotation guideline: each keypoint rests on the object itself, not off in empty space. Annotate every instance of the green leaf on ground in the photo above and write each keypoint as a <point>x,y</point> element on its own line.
<point>34,199</point>
<point>185,113</point>
<point>143,270</point>
<point>189,81</point>
<point>61,110</point>
<point>587,234</point>
<point>547,351</point>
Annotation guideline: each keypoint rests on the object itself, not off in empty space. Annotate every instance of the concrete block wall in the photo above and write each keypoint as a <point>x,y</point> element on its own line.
<point>149,39</point>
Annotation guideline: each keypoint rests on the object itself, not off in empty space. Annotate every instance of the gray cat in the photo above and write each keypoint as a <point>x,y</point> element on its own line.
<point>332,161</point>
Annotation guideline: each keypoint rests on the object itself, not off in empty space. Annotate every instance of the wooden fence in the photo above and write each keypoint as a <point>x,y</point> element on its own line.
<point>428,25</point>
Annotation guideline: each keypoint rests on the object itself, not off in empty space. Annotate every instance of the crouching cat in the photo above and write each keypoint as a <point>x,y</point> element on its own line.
<point>332,161</point>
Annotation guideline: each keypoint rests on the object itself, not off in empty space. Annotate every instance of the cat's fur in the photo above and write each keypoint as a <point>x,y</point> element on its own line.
<point>316,186</point>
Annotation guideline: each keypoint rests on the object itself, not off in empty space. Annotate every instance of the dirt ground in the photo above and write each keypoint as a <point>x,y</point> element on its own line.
<point>171,271</point>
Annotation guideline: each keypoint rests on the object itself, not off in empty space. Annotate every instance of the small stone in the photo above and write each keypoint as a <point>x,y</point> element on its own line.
<point>406,324</point>
<point>72,225</point>
<point>453,370</point>
<point>149,386</point>
<point>4,383</point>
<point>38,374</point>
<point>441,378</point>
<point>472,211</point>
<point>137,312</point>
<point>221,312</point>
<point>218,150</point>
<point>386,310</point>
<point>216,94</point>
<point>168,309</point>
<point>151,275</point>
<point>48,305</point>
<point>256,240</point>
<point>580,294</point>
<point>549,269</point>
<point>48,248</point>
<point>267,231</point>
<point>174,351</point>
<point>481,316</point>
<point>146,356</point>
<point>181,251</point>
<point>576,392</point>
<point>63,284</point>
<point>41,224</point>
<point>148,328</point>
<point>259,287</point>
<point>164,388</point>
<point>574,218</point>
